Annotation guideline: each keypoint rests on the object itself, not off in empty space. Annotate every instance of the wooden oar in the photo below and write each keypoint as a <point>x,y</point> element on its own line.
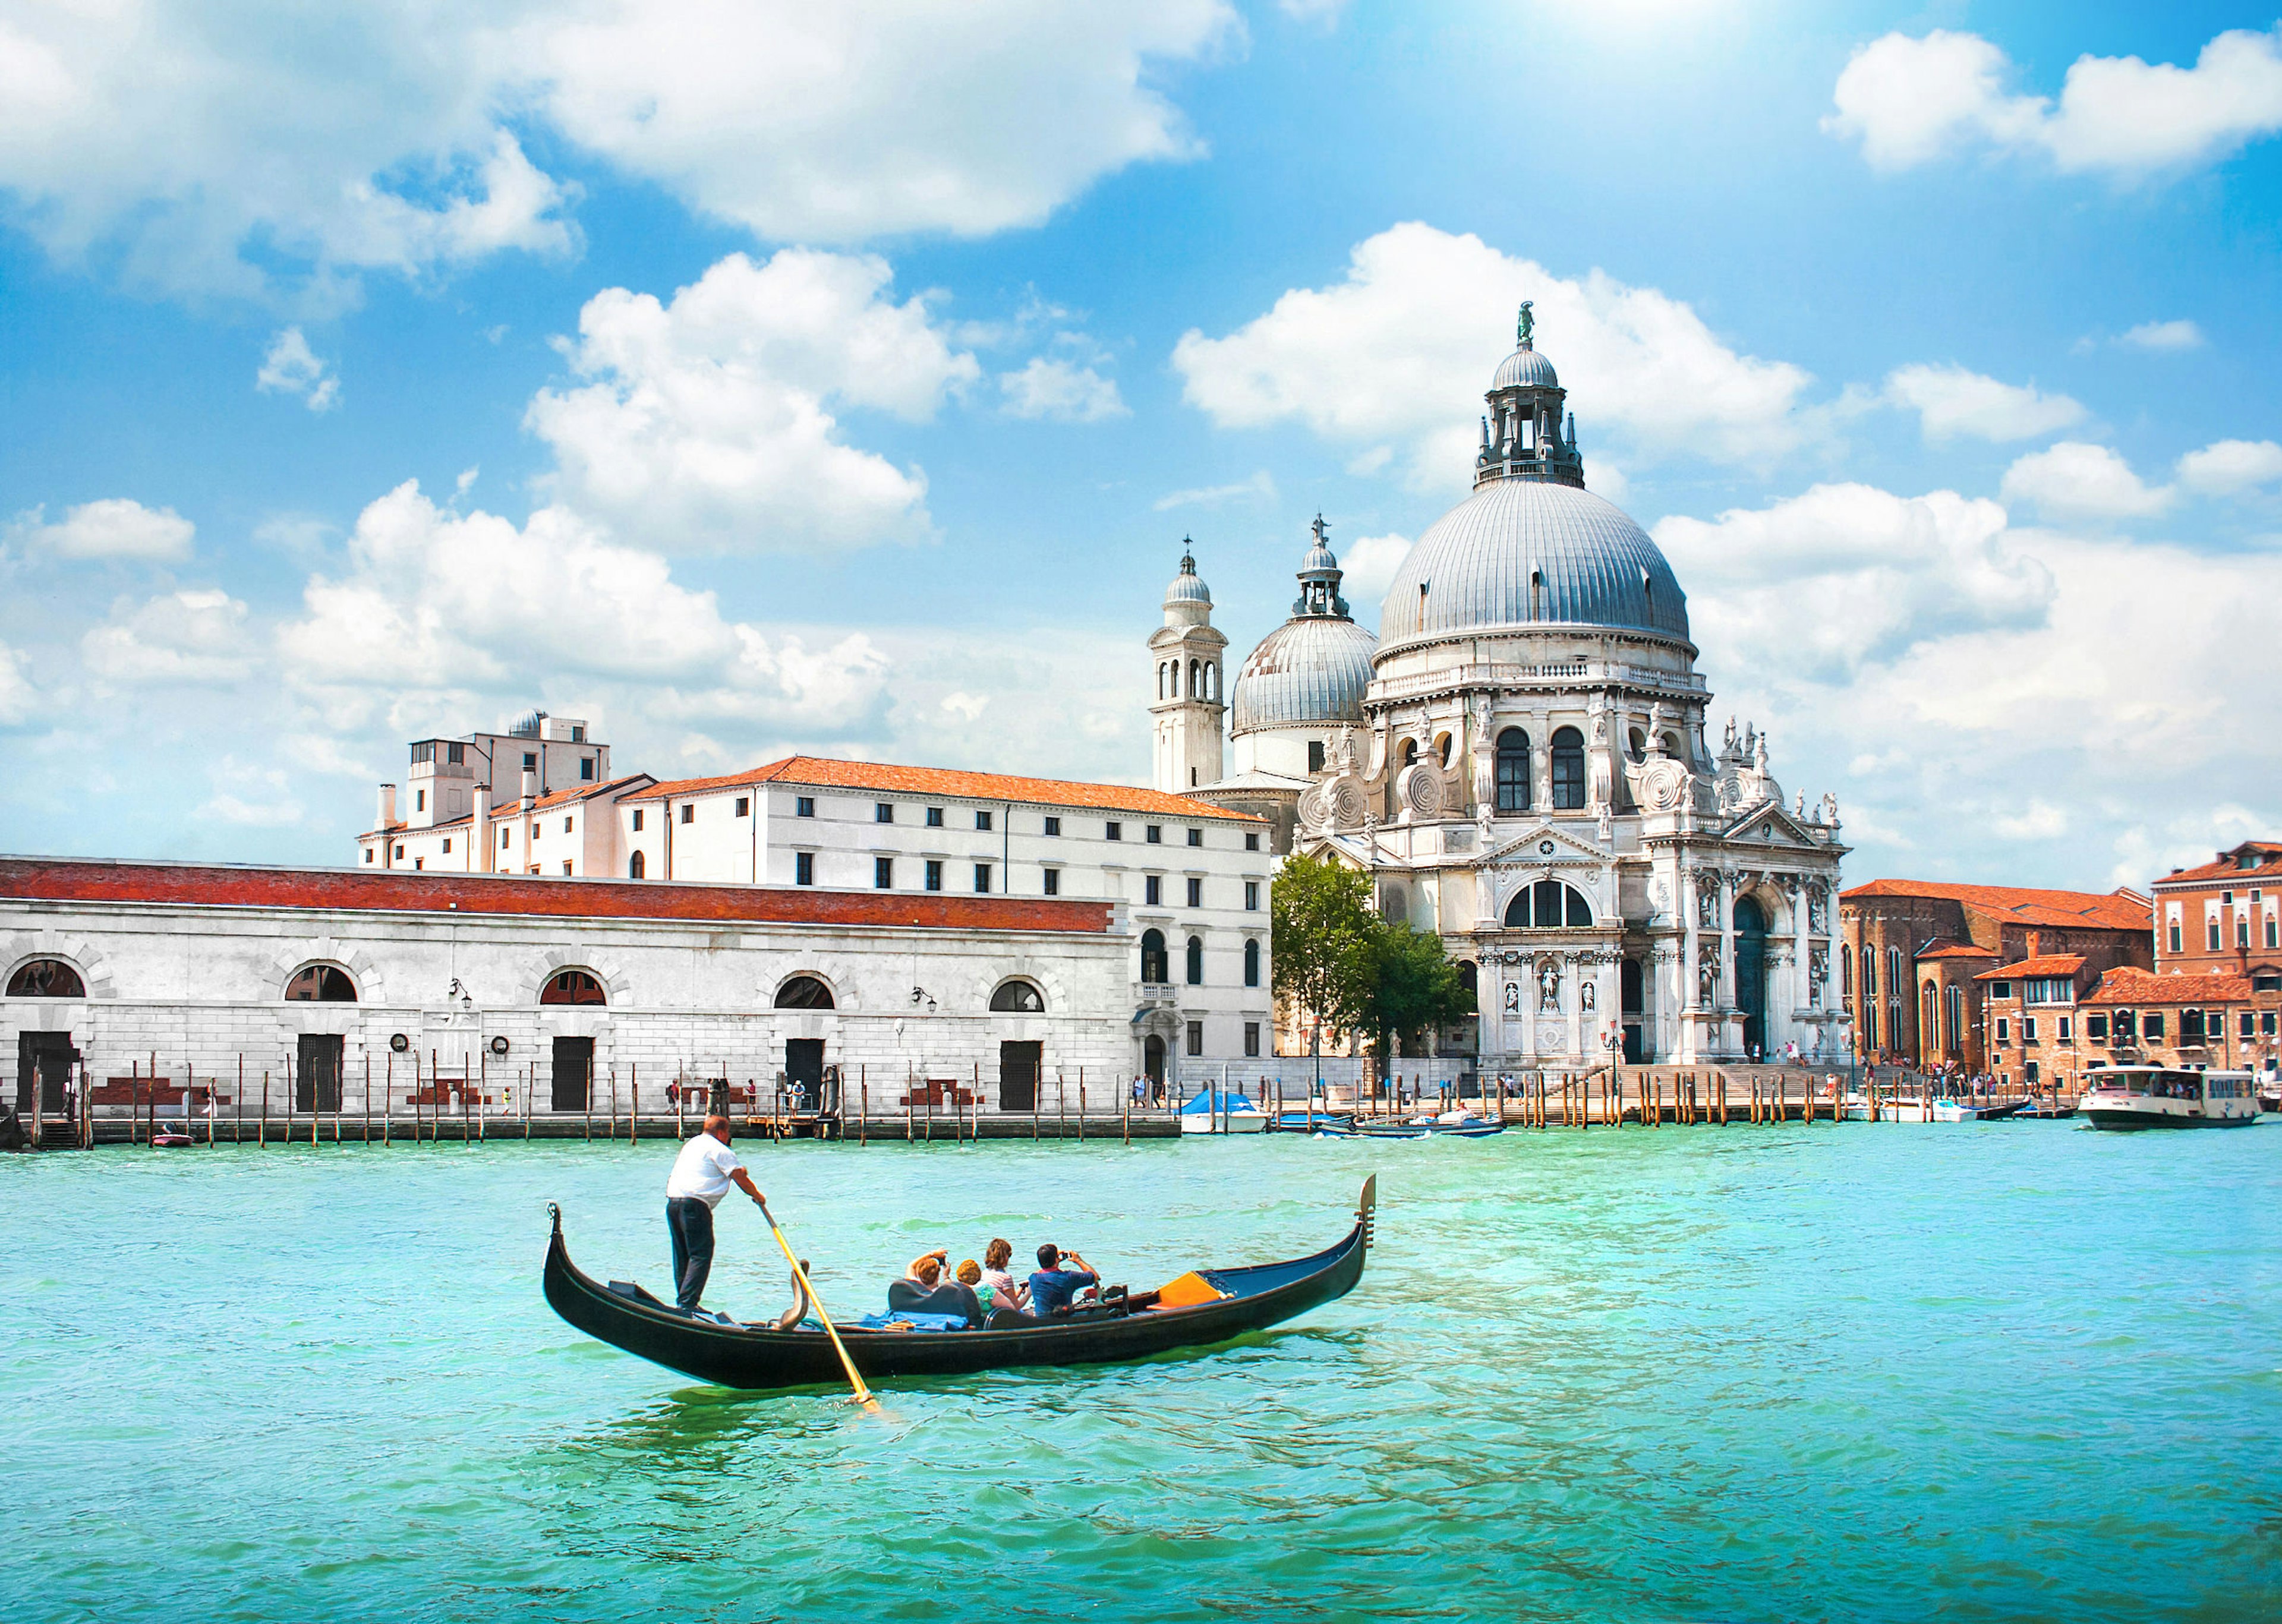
<point>863,1394</point>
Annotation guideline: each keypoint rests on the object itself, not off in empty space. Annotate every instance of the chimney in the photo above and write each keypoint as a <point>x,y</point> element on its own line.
<point>479,829</point>
<point>387,806</point>
<point>530,783</point>
<point>2036,940</point>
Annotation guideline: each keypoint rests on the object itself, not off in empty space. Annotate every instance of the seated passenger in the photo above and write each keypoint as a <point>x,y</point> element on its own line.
<point>1012,1293</point>
<point>923,1290</point>
<point>1052,1287</point>
<point>1000,1311</point>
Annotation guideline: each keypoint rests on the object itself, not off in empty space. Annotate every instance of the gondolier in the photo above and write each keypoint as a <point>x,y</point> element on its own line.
<point>701,1176</point>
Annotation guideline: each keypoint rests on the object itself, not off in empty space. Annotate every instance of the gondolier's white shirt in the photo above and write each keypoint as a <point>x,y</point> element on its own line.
<point>702,1170</point>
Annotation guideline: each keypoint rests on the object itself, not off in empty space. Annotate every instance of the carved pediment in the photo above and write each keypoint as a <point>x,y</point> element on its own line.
<point>1543,847</point>
<point>1771,825</point>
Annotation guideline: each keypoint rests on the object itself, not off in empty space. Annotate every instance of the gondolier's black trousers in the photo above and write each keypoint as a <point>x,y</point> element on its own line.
<point>690,1222</point>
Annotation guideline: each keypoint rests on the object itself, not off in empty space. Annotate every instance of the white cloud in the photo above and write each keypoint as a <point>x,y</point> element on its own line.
<point>1403,349</point>
<point>18,698</point>
<point>1324,12</point>
<point>291,367</point>
<point>2230,467</point>
<point>2164,336</point>
<point>706,427</point>
<point>1261,485</point>
<point>1909,101</point>
<point>252,814</point>
<point>114,527</point>
<point>1062,391</point>
<point>1848,575</point>
<point>2077,480</point>
<point>1369,563</point>
<point>212,143</point>
<point>182,637</point>
<point>1950,401</point>
<point>2037,820</point>
<point>2151,849</point>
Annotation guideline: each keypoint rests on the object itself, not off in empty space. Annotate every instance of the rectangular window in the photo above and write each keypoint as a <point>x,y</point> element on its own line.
<point>2004,1029</point>
<point>2249,1028</point>
<point>804,806</point>
<point>2266,1024</point>
<point>982,878</point>
<point>982,820</point>
<point>744,806</point>
<point>1196,893</point>
<point>1196,837</point>
<point>1196,1038</point>
<point>505,836</point>
<point>1251,840</point>
<point>803,868</point>
<point>419,800</point>
<point>2095,1027</point>
<point>1152,892</point>
<point>1252,896</point>
<point>1315,755</point>
<point>2064,1029</point>
<point>2029,1030</point>
<point>1113,831</point>
<point>531,761</point>
<point>2271,938</point>
<point>2151,1026</point>
<point>1054,881</point>
<point>419,862</point>
<point>637,819</point>
<point>935,874</point>
<point>579,736</point>
<point>689,811</point>
<point>566,867</point>
<point>2190,1026</point>
<point>1156,834</point>
<point>1251,1040</point>
<point>2242,932</point>
<point>2213,935</point>
<point>367,854</point>
<point>587,769</point>
<point>567,828</point>
<point>1053,826</point>
<point>883,811</point>
<point>537,829</point>
<point>1996,989</point>
<point>456,755</point>
<point>447,845</point>
<point>883,873</point>
<point>934,817</point>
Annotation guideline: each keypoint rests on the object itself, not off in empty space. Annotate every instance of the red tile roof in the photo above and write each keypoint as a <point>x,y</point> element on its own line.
<point>1941,947</point>
<point>952,783</point>
<point>406,891</point>
<point>2228,866</point>
<point>2044,965</point>
<point>517,807</point>
<point>2128,985</point>
<point>2117,909</point>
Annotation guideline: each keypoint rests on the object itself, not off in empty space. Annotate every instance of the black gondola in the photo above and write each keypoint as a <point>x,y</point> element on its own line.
<point>762,1358</point>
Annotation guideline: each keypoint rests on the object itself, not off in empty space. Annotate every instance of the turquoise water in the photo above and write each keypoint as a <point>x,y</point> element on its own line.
<point>1861,1371</point>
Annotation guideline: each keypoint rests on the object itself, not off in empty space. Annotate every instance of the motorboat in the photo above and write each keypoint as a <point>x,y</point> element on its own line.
<point>1221,1110</point>
<point>1978,1110</point>
<point>2129,1096</point>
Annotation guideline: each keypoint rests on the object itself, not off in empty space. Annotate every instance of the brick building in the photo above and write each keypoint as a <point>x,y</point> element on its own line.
<point>1914,954</point>
<point>2033,1025</point>
<point>2207,1018</point>
<point>2225,918</point>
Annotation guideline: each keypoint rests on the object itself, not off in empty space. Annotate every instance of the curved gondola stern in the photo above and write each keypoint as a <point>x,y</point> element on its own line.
<point>1367,1212</point>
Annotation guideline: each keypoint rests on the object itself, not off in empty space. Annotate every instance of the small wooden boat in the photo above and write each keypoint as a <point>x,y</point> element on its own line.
<point>1196,1311</point>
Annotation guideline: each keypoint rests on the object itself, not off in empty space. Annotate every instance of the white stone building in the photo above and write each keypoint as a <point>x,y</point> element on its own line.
<point>1520,761</point>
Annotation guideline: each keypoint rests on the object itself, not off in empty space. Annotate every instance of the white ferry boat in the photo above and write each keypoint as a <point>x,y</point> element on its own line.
<point>2159,1097</point>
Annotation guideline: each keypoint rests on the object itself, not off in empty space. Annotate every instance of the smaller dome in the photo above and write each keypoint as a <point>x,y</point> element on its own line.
<point>1310,671</point>
<point>1187,587</point>
<point>1524,369</point>
<point>1319,558</point>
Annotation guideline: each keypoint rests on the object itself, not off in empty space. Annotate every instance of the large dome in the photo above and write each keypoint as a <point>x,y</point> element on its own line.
<point>1531,553</point>
<point>1313,669</point>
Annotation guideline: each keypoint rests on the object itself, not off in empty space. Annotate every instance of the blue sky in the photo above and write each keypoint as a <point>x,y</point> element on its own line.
<point>844,380</point>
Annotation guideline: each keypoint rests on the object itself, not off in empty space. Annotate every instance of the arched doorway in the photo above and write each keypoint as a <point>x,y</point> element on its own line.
<point>1751,973</point>
<point>1152,1062</point>
<point>1633,1006</point>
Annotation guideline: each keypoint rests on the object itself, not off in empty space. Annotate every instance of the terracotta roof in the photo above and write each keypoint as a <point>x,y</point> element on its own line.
<point>2046,964</point>
<point>1942,947</point>
<point>2228,866</point>
<point>409,890</point>
<point>2116,910</point>
<point>2127,984</point>
<point>953,784</point>
<point>519,807</point>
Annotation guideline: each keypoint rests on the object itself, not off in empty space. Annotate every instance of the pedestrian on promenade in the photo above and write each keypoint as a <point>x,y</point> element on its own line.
<point>701,1176</point>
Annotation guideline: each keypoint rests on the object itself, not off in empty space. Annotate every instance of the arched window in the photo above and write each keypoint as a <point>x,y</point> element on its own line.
<point>1845,974</point>
<point>637,865</point>
<point>1196,965</point>
<point>321,984</point>
<point>1548,906</point>
<point>46,978</point>
<point>1442,750</point>
<point>1568,770</point>
<point>1251,963</point>
<point>1017,997</point>
<point>1196,682</point>
<point>1894,981</point>
<point>1513,770</point>
<point>1469,977</point>
<point>1869,974</point>
<point>804,993</point>
<point>1636,746</point>
<point>1956,1019</point>
<point>571,987</point>
<point>1409,751</point>
<point>1155,966</point>
<point>1929,1021</point>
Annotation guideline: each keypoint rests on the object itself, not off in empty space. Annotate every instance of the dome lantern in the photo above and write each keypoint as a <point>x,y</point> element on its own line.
<point>1523,435</point>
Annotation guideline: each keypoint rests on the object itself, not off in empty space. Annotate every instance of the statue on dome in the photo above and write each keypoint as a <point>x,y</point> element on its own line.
<point>1524,324</point>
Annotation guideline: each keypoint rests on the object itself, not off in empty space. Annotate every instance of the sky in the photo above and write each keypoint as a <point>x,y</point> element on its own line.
<point>753,378</point>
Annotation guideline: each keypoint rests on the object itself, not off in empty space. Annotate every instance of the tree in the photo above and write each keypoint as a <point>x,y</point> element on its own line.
<point>1322,937</point>
<point>1414,985</point>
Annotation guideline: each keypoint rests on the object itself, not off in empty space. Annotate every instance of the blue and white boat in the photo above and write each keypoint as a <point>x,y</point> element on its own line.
<point>1217,1109</point>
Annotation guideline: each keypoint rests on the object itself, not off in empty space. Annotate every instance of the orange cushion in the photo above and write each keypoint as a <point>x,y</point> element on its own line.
<point>1190,1289</point>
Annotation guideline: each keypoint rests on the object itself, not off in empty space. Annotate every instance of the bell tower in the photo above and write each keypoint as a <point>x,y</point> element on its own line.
<point>1187,711</point>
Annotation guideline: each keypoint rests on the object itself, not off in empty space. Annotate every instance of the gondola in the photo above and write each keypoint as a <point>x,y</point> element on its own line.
<point>760,1358</point>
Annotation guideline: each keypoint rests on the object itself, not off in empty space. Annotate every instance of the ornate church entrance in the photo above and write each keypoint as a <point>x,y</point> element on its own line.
<point>1751,975</point>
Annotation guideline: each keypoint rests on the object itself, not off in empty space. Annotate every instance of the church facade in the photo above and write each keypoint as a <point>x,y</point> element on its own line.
<point>1521,761</point>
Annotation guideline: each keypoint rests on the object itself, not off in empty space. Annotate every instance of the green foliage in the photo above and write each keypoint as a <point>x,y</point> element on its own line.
<point>1348,968</point>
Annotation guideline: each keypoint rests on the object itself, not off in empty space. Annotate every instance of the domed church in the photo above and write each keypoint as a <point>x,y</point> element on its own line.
<point>1520,760</point>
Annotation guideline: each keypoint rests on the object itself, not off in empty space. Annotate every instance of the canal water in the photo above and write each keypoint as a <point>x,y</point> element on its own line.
<point>1857,1371</point>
